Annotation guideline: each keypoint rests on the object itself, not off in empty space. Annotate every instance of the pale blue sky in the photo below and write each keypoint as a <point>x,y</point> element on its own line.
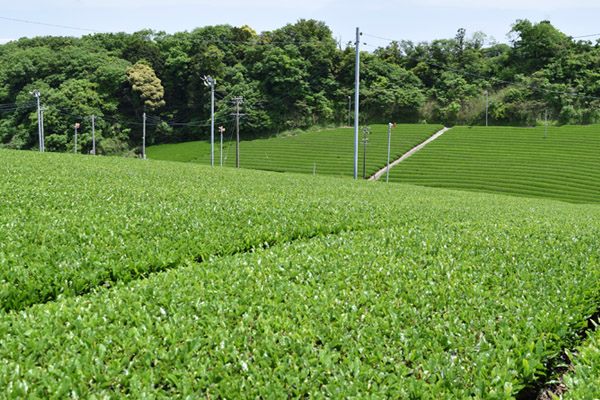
<point>416,20</point>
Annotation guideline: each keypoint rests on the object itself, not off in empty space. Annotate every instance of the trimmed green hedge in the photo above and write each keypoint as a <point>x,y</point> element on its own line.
<point>308,286</point>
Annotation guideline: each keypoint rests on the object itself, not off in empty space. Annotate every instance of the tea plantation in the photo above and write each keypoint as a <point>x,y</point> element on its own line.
<point>517,161</point>
<point>131,278</point>
<point>327,152</point>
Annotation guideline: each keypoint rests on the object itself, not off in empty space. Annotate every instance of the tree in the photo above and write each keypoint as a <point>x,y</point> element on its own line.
<point>536,44</point>
<point>143,80</point>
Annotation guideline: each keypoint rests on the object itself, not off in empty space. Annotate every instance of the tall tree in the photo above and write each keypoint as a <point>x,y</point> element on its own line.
<point>148,87</point>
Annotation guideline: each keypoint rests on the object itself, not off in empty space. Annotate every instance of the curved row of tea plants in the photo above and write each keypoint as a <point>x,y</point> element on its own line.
<point>458,295</point>
<point>583,380</point>
<point>326,152</point>
<point>70,223</point>
<point>517,161</point>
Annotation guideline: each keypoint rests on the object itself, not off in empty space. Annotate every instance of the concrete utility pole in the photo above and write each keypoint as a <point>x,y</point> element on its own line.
<point>221,130</point>
<point>356,99</point>
<point>93,135</point>
<point>366,131</point>
<point>37,96</point>
<point>486,108</point>
<point>210,81</point>
<point>76,126</point>
<point>144,136</point>
<point>349,110</point>
<point>387,174</point>
<point>42,123</point>
<point>237,100</point>
<point>545,123</point>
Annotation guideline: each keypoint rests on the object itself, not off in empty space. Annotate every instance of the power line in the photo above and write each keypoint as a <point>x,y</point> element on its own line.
<point>157,121</point>
<point>47,24</point>
<point>518,42</point>
<point>258,42</point>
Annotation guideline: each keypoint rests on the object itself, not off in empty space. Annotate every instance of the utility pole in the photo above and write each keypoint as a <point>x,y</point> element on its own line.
<point>387,175</point>
<point>238,100</point>
<point>221,130</point>
<point>76,126</point>
<point>93,136</point>
<point>210,81</point>
<point>545,123</point>
<point>42,123</point>
<point>37,96</point>
<point>366,131</point>
<point>356,99</point>
<point>349,108</point>
<point>144,136</point>
<point>486,108</point>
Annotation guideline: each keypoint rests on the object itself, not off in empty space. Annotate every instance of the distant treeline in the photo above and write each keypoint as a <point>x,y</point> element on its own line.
<point>294,77</point>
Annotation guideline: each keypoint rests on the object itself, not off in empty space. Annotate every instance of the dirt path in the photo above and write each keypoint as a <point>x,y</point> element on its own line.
<point>412,151</point>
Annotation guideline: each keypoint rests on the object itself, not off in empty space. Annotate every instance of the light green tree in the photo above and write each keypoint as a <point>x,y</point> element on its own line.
<point>144,81</point>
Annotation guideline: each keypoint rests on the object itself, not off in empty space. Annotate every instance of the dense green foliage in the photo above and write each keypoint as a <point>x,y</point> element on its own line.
<point>518,161</point>
<point>73,223</point>
<point>583,379</point>
<point>295,76</point>
<point>326,152</point>
<point>308,285</point>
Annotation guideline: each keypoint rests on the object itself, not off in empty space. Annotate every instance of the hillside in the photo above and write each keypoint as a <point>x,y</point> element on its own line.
<point>131,278</point>
<point>293,77</point>
<point>518,161</point>
<point>324,152</point>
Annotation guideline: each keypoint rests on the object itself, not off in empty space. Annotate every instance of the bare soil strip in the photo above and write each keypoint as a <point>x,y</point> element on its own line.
<point>412,151</point>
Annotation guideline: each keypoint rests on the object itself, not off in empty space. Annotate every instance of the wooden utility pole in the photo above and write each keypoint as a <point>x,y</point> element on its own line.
<point>237,100</point>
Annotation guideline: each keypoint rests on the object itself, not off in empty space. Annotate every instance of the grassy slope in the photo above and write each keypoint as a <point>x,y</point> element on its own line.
<point>351,288</point>
<point>330,151</point>
<point>516,161</point>
<point>184,152</point>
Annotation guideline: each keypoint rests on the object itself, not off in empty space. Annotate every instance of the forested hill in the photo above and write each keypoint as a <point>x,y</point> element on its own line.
<point>293,77</point>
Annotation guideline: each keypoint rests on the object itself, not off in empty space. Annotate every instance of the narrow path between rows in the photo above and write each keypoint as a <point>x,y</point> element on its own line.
<point>412,151</point>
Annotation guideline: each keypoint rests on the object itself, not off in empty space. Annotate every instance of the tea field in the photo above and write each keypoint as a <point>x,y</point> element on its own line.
<point>132,278</point>
<point>584,380</point>
<point>517,161</point>
<point>326,152</point>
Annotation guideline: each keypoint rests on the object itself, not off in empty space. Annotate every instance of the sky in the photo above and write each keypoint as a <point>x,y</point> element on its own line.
<point>415,20</point>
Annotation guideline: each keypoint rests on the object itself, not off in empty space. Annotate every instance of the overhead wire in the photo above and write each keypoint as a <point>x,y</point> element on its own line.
<point>519,42</point>
<point>47,24</point>
<point>260,42</point>
<point>157,121</point>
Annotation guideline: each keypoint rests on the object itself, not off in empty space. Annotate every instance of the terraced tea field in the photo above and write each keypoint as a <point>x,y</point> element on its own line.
<point>132,278</point>
<point>516,161</point>
<point>328,152</point>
